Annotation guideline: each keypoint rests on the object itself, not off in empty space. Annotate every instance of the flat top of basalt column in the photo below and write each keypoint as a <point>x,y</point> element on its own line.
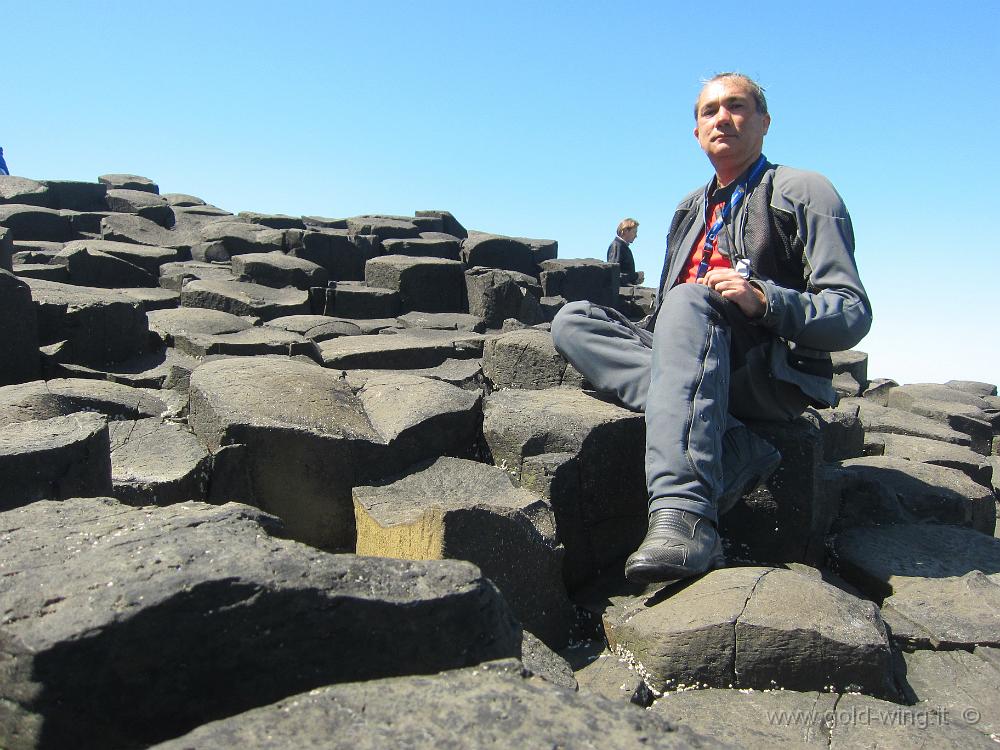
<point>40,399</point>
<point>248,292</point>
<point>83,564</point>
<point>396,401</point>
<point>45,434</point>
<point>112,247</point>
<point>283,393</point>
<point>404,340</point>
<point>891,553</point>
<point>194,320</point>
<point>147,449</point>
<point>447,483</point>
<point>56,293</point>
<point>488,706</point>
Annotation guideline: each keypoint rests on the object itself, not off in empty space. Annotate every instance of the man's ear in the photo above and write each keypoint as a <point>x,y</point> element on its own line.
<point>767,123</point>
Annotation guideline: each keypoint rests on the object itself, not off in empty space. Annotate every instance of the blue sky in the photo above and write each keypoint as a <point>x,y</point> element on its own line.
<point>549,120</point>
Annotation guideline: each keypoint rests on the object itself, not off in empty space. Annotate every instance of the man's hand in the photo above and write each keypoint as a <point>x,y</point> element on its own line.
<point>736,289</point>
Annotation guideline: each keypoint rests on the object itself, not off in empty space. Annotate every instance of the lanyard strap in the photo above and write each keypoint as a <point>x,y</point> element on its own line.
<point>727,209</point>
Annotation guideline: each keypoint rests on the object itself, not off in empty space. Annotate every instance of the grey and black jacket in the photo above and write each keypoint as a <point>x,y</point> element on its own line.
<point>795,231</point>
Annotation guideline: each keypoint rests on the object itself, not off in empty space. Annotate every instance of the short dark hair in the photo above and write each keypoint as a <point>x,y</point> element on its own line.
<point>755,89</point>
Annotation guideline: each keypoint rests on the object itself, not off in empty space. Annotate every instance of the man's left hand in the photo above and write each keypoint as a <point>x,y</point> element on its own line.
<point>737,290</point>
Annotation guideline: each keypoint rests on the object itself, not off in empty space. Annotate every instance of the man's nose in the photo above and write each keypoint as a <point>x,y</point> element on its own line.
<point>723,115</point>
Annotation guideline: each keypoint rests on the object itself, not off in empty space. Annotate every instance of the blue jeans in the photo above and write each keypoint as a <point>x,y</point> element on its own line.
<point>703,366</point>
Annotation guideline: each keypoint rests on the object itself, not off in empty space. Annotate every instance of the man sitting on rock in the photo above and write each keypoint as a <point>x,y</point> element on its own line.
<point>619,251</point>
<point>759,284</point>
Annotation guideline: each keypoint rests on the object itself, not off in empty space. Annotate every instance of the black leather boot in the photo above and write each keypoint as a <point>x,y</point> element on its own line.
<point>678,545</point>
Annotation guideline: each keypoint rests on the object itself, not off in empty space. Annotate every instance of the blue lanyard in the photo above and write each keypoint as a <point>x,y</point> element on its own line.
<point>734,202</point>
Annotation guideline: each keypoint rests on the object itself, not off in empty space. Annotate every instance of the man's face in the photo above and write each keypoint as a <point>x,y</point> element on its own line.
<point>728,126</point>
<point>629,234</point>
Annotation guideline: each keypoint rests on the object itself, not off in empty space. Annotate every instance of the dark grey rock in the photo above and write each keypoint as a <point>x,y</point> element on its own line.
<point>87,265</point>
<point>244,298</point>
<point>324,222</point>
<point>125,627</point>
<point>352,300</point>
<point>25,192</point>
<point>54,459</point>
<point>239,237</point>
<point>423,248</point>
<point>42,271</point>
<point>442,321</point>
<point>129,182</point>
<point>44,399</point>
<point>77,196</point>
<point>316,327</point>
<point>527,359</point>
<point>586,456</point>
<point>498,251</point>
<point>754,718</point>
<point>877,418</point>
<point>406,350</point>
<point>99,326</point>
<point>7,249</point>
<point>272,221</point>
<point>142,231</point>
<point>754,627</point>
<point>153,298</point>
<point>449,223</point>
<point>973,387</point>
<point>866,722</point>
<point>939,585</point>
<point>854,364</point>
<point>543,662</point>
<point>35,223</point>
<point>246,343</point>
<point>142,203</point>
<point>278,270</point>
<point>927,451</point>
<point>182,199</point>
<point>884,489</point>
<point>342,255</point>
<point>496,295</point>
<point>147,257</point>
<point>585,279</point>
<point>964,412</point>
<point>425,284</point>
<point>464,510</point>
<point>152,370</point>
<point>489,706</point>
<point>963,684</point>
<point>168,324</point>
<point>384,227</point>
<point>156,463</point>
<point>175,275</point>
<point>601,672</point>
<point>19,360</point>
<point>464,373</point>
<point>842,432</point>
<point>309,436</point>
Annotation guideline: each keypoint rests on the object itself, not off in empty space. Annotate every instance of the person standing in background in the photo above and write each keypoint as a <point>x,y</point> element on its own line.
<point>3,164</point>
<point>619,251</point>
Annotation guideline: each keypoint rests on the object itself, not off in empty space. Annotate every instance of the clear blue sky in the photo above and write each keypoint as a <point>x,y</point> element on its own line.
<point>549,120</point>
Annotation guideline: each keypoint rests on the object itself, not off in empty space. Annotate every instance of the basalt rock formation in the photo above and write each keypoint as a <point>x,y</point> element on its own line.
<point>290,481</point>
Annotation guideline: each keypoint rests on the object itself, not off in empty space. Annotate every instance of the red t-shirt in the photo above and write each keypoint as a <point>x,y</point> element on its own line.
<point>689,273</point>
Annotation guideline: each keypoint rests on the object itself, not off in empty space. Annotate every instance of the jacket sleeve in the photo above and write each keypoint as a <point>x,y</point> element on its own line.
<point>834,313</point>
<point>614,254</point>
